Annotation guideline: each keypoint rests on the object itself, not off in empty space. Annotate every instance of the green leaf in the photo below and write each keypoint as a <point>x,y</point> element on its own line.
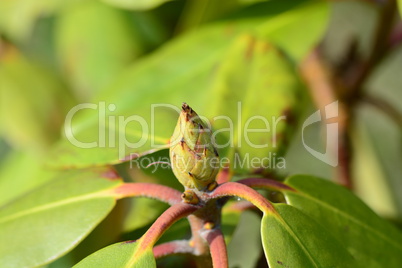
<point>142,211</point>
<point>377,166</point>
<point>21,172</point>
<point>258,90</point>
<point>400,6</point>
<point>372,241</point>
<point>244,248</point>
<point>119,255</point>
<point>292,239</point>
<point>50,221</point>
<point>17,18</point>
<point>137,4</point>
<point>33,102</point>
<point>284,31</point>
<point>177,65</point>
<point>191,61</point>
<point>79,32</point>
<point>230,220</point>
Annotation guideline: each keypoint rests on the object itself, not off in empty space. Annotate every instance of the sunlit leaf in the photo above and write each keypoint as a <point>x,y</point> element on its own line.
<point>21,173</point>
<point>256,88</point>
<point>50,221</point>
<point>79,32</point>
<point>185,70</point>
<point>371,240</point>
<point>119,255</point>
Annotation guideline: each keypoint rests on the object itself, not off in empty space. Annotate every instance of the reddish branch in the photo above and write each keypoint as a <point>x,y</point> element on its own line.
<point>323,88</point>
<point>172,248</point>
<point>155,191</point>
<point>217,247</point>
<point>244,192</point>
<point>224,175</point>
<point>164,221</point>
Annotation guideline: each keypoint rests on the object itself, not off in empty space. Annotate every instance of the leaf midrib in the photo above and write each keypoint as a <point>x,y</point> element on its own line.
<point>347,216</point>
<point>298,241</point>
<point>23,213</point>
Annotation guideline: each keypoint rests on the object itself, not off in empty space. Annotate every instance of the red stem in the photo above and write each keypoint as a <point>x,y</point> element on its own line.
<point>217,247</point>
<point>224,175</point>
<point>266,184</point>
<point>155,191</point>
<point>164,221</point>
<point>244,192</point>
<point>170,216</point>
<point>171,248</point>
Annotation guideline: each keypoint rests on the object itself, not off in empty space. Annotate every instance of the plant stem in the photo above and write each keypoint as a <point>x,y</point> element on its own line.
<point>244,192</point>
<point>224,175</point>
<point>266,184</point>
<point>162,223</point>
<point>173,247</point>
<point>217,247</point>
<point>323,88</point>
<point>154,191</point>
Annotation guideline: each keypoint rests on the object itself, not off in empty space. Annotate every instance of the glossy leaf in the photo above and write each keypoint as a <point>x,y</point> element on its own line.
<point>292,239</point>
<point>79,31</point>
<point>189,62</point>
<point>50,221</point>
<point>119,255</point>
<point>371,240</point>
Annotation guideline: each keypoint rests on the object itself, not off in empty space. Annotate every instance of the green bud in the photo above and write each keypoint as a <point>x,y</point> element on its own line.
<point>195,161</point>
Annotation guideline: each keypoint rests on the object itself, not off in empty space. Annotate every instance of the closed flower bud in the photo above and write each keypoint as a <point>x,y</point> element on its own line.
<point>195,161</point>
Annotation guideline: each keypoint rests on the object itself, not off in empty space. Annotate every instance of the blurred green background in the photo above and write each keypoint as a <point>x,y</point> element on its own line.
<point>55,54</point>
